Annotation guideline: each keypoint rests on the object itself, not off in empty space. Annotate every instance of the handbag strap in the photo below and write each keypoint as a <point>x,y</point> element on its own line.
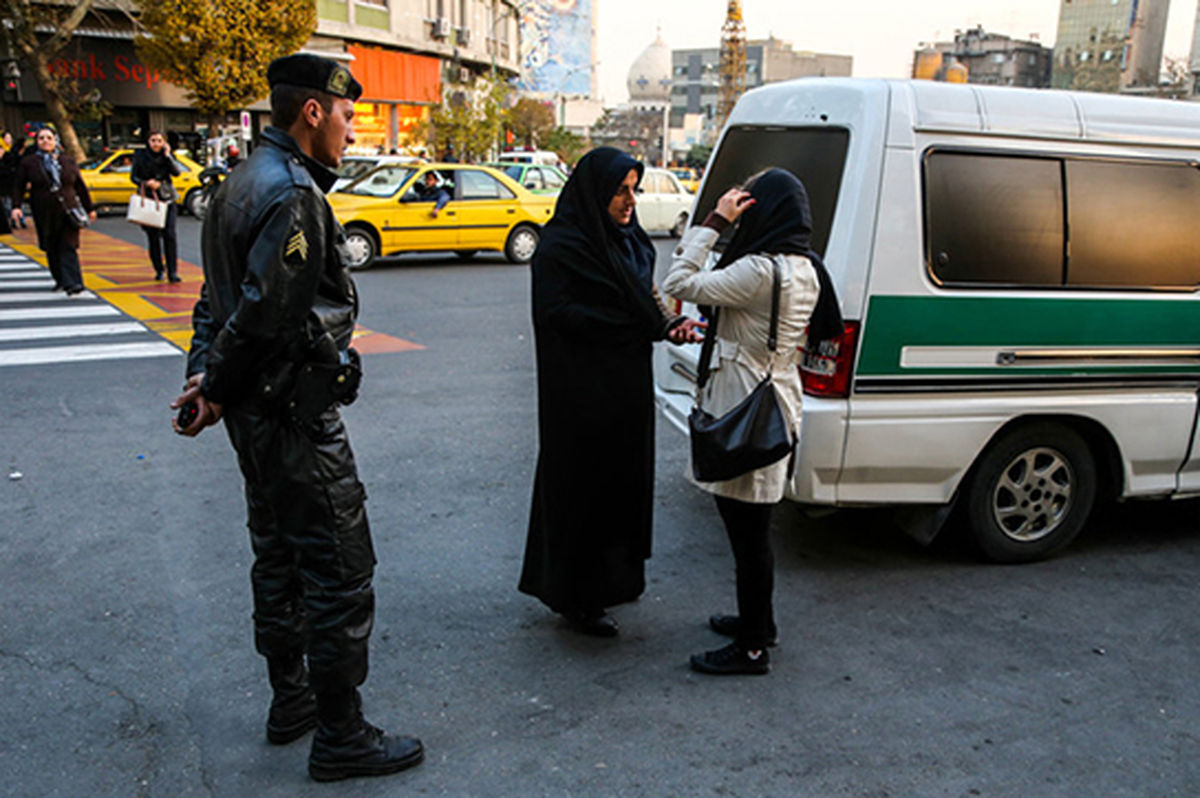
<point>710,337</point>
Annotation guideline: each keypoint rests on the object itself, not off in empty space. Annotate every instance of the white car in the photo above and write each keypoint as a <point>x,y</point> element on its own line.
<point>664,205</point>
<point>355,166</point>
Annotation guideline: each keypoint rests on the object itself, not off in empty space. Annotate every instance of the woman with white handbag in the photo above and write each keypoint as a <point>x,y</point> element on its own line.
<point>152,171</point>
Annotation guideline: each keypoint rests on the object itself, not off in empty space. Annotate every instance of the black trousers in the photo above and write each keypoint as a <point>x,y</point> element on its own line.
<point>63,260</point>
<point>313,558</point>
<point>164,246</point>
<point>748,526</point>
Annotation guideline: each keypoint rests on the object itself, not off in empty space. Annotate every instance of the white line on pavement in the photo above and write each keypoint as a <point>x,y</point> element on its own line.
<point>76,354</point>
<point>70,331</point>
<point>6,266</point>
<point>65,312</point>
<point>24,274</point>
<point>19,297</point>
<point>28,283</point>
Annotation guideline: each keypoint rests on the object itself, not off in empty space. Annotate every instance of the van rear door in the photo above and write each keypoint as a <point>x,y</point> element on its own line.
<point>817,156</point>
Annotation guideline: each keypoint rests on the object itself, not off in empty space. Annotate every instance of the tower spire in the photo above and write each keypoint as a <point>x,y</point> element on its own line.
<point>733,61</point>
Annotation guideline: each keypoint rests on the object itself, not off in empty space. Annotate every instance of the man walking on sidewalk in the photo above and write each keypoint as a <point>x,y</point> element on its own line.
<point>271,354</point>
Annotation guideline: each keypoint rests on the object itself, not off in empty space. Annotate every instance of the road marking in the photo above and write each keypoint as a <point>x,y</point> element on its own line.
<point>69,312</point>
<point>29,283</point>
<point>13,266</point>
<point>76,354</point>
<point>70,330</point>
<point>20,297</point>
<point>28,274</point>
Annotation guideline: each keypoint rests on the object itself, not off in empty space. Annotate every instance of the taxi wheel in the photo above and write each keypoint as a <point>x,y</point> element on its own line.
<point>194,203</point>
<point>522,242</point>
<point>1031,493</point>
<point>361,248</point>
<point>680,226</point>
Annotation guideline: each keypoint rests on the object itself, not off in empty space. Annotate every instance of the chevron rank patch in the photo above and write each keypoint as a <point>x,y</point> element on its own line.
<point>296,248</point>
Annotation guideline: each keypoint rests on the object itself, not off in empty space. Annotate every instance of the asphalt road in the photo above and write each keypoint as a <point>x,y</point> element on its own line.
<point>126,660</point>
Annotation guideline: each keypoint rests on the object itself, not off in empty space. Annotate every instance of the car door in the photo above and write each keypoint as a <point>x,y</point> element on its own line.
<point>486,208</point>
<point>675,199</point>
<point>407,222</point>
<point>649,205</point>
<point>111,185</point>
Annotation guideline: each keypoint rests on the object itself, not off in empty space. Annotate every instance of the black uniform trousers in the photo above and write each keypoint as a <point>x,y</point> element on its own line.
<point>313,558</point>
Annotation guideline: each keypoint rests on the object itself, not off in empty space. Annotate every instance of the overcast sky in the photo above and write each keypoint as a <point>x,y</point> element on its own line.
<point>880,34</point>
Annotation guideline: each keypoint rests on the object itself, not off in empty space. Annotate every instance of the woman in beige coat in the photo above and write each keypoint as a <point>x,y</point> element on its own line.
<point>775,228</point>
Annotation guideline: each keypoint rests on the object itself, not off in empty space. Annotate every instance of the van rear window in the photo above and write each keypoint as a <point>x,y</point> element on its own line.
<point>1067,222</point>
<point>815,155</point>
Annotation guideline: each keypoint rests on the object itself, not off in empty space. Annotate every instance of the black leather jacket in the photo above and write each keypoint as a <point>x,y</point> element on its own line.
<point>274,280</point>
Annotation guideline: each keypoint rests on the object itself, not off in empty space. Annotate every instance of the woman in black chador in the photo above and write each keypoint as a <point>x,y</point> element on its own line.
<point>595,317</point>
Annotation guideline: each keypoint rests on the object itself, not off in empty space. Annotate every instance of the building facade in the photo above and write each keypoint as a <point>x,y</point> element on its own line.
<point>404,52</point>
<point>977,56</point>
<point>1109,45</point>
<point>695,81</point>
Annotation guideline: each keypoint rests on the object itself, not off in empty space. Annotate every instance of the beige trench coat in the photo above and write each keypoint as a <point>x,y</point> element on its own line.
<point>743,292</point>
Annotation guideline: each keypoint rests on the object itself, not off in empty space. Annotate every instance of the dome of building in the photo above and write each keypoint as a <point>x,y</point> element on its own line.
<point>649,79</point>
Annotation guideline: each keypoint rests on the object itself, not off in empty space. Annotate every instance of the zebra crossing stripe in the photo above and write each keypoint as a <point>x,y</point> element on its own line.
<point>25,297</point>
<point>15,266</point>
<point>28,283</point>
<point>76,354</point>
<point>23,274</point>
<point>70,331</point>
<point>71,312</point>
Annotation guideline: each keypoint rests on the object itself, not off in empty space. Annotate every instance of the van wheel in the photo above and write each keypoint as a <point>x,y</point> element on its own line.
<point>521,244</point>
<point>1031,493</point>
<point>680,226</point>
<point>361,248</point>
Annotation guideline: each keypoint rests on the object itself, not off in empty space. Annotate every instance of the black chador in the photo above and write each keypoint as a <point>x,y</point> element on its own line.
<point>595,317</point>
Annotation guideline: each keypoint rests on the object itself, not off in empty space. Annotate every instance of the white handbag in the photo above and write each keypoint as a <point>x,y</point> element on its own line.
<point>147,211</point>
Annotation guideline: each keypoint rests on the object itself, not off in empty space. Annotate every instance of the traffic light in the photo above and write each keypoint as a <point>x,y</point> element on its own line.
<point>12,82</point>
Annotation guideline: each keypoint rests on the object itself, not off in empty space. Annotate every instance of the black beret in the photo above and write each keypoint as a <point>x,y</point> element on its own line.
<point>314,72</point>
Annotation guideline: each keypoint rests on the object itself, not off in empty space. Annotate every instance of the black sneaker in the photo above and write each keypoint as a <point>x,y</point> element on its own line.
<point>732,660</point>
<point>364,750</point>
<point>730,625</point>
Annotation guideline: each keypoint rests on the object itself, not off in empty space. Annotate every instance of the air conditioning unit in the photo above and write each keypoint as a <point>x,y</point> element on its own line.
<point>441,28</point>
<point>464,36</point>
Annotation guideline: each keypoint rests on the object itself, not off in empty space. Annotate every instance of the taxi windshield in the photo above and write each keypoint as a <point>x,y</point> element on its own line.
<point>383,182</point>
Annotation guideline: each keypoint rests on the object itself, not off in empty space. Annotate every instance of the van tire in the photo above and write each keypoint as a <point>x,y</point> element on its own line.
<point>1030,493</point>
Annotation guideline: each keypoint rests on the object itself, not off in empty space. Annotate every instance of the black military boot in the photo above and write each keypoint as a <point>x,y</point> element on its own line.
<point>294,706</point>
<point>346,746</point>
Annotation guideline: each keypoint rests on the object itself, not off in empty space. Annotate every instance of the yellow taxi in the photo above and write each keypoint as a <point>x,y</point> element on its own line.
<point>689,177</point>
<point>107,179</point>
<point>389,211</point>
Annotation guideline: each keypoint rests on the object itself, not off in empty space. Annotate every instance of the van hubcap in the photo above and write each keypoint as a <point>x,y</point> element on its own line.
<point>1033,494</point>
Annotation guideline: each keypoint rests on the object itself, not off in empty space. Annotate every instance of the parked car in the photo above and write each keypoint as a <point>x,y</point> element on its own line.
<point>107,179</point>
<point>355,166</point>
<point>689,178</point>
<point>1019,273</point>
<point>538,179</point>
<point>664,205</point>
<point>488,210</point>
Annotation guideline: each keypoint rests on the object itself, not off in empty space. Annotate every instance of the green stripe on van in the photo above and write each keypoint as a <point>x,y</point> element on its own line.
<point>894,322</point>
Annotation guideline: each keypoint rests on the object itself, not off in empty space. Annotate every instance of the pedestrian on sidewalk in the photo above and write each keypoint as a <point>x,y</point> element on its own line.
<point>270,354</point>
<point>55,185</point>
<point>152,172</point>
<point>8,179</point>
<point>773,235</point>
<point>595,320</point>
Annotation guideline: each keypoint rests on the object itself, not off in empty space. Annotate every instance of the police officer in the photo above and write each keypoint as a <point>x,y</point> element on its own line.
<point>270,354</point>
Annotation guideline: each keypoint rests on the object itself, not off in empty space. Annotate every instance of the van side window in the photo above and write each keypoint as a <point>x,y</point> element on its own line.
<point>994,219</point>
<point>1133,224</point>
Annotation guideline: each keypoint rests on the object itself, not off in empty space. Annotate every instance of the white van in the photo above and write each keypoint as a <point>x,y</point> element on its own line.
<point>541,157</point>
<point>1018,271</point>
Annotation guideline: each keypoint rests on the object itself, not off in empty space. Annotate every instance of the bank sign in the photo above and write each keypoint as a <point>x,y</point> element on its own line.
<point>113,67</point>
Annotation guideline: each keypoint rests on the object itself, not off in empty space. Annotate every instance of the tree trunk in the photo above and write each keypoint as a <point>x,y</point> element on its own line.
<point>55,108</point>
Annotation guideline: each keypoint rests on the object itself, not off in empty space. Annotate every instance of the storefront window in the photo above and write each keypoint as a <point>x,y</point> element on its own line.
<point>371,122</point>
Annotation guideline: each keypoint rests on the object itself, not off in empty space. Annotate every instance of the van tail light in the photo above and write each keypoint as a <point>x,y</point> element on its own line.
<point>826,371</point>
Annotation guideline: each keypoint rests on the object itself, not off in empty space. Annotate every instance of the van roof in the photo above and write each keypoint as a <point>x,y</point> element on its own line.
<point>925,105</point>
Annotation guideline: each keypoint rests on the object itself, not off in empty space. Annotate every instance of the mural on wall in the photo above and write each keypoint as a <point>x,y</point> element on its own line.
<point>556,46</point>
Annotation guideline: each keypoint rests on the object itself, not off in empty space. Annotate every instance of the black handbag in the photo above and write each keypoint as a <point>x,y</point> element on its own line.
<point>750,436</point>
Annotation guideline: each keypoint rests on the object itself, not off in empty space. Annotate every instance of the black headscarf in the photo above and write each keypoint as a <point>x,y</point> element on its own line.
<point>780,222</point>
<point>582,236</point>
